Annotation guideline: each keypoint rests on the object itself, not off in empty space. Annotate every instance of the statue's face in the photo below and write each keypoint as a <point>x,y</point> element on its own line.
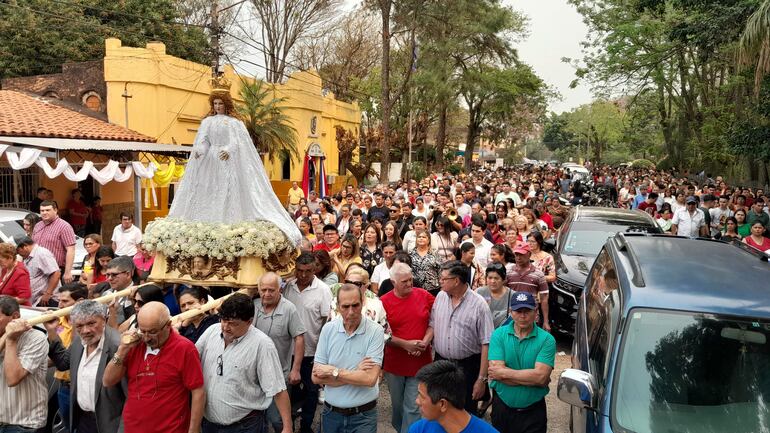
<point>219,106</point>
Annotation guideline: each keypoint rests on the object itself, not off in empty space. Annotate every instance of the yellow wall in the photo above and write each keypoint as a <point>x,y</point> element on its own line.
<point>169,97</point>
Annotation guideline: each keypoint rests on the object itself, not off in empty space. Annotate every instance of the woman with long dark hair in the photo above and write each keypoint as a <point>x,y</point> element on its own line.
<point>444,240</point>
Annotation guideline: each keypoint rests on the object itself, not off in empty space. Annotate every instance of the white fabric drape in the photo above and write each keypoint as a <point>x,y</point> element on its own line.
<point>110,172</point>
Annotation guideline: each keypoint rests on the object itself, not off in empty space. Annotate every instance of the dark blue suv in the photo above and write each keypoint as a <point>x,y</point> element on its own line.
<point>672,336</point>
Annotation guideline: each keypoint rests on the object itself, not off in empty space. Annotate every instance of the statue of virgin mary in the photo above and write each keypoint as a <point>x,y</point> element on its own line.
<point>225,180</point>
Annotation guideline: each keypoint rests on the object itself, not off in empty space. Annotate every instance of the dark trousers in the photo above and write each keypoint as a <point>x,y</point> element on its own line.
<point>255,422</point>
<point>470,367</point>
<point>306,394</point>
<point>86,422</point>
<point>531,419</point>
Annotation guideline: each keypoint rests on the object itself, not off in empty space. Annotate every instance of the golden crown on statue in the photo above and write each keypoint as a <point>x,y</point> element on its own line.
<point>220,84</point>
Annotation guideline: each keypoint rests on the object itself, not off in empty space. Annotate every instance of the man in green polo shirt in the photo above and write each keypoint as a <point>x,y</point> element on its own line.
<point>521,358</point>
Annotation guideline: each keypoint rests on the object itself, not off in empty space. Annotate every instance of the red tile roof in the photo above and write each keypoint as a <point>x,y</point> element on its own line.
<point>22,115</point>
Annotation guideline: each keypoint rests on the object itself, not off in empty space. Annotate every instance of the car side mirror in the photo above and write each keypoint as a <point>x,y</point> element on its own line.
<point>577,388</point>
<point>549,245</point>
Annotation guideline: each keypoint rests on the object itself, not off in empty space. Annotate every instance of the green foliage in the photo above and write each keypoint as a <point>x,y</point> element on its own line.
<point>454,169</point>
<point>688,103</point>
<point>418,171</point>
<point>269,128</point>
<point>643,164</point>
<point>38,36</point>
<point>555,132</point>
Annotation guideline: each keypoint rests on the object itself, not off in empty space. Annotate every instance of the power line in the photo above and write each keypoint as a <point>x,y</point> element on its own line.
<point>263,50</point>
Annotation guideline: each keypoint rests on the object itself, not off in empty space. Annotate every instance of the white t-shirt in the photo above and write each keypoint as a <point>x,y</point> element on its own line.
<point>380,273</point>
<point>126,240</point>
<point>482,252</point>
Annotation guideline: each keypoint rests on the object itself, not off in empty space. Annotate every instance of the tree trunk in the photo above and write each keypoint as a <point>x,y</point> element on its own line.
<point>441,137</point>
<point>385,6</point>
<point>470,139</point>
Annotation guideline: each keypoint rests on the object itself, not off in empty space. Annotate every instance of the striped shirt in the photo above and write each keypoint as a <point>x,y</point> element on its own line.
<point>55,236</point>
<point>251,374</point>
<point>41,264</point>
<point>459,332</point>
<point>25,404</point>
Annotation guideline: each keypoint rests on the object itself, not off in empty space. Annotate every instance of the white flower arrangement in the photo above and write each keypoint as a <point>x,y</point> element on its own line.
<point>181,238</point>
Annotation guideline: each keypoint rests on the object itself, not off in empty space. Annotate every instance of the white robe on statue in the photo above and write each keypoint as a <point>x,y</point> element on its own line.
<point>231,191</point>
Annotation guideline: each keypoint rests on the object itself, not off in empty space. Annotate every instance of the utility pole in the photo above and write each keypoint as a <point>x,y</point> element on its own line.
<point>215,34</point>
<point>126,97</point>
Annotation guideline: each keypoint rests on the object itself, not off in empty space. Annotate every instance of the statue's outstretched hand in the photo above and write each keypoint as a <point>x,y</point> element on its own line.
<point>224,156</point>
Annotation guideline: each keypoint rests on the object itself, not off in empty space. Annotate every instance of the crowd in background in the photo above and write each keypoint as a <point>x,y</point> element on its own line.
<point>392,278</point>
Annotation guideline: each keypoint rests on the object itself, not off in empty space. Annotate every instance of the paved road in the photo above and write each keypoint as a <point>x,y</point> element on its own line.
<point>558,412</point>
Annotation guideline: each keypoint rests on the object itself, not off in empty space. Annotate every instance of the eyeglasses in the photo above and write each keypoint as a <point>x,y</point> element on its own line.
<point>139,302</point>
<point>447,278</point>
<point>111,275</point>
<point>219,365</point>
<point>155,332</point>
<point>358,284</point>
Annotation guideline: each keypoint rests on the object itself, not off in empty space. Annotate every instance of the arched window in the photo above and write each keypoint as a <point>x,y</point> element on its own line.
<point>92,101</point>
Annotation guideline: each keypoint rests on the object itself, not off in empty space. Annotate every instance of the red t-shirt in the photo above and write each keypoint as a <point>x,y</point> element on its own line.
<point>16,284</point>
<point>79,207</point>
<point>764,246</point>
<point>408,319</point>
<point>327,248</point>
<point>159,387</point>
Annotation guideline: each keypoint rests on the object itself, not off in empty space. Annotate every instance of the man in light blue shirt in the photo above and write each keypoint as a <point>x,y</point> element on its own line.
<point>348,360</point>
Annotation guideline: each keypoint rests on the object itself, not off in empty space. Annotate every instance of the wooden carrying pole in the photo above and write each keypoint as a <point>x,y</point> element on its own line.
<point>106,299</point>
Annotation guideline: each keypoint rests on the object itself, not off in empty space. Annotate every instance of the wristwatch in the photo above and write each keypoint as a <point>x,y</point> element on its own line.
<point>336,373</point>
<point>117,360</point>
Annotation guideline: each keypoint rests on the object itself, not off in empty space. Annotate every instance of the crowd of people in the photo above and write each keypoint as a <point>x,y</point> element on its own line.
<point>438,287</point>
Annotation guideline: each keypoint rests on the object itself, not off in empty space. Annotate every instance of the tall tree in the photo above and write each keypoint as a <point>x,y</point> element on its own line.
<point>343,55</point>
<point>282,24</point>
<point>269,128</point>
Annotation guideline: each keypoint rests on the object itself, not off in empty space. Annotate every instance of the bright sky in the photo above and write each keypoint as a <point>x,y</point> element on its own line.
<point>555,31</point>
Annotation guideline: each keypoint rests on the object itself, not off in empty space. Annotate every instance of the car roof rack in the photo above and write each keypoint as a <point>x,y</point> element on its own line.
<point>623,245</point>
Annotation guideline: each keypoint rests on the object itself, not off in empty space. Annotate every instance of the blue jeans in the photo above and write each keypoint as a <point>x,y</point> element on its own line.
<point>306,392</point>
<point>334,422</point>
<point>274,417</point>
<point>63,396</point>
<point>403,393</point>
<point>15,429</point>
<point>252,423</point>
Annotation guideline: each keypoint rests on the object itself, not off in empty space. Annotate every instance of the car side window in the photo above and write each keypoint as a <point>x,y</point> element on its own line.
<point>601,299</point>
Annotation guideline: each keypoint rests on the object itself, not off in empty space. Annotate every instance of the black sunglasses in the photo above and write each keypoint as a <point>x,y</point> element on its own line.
<point>219,365</point>
<point>358,284</point>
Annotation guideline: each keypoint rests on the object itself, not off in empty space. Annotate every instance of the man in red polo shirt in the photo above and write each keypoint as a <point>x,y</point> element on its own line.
<point>331,239</point>
<point>165,379</point>
<point>526,278</point>
<point>408,309</point>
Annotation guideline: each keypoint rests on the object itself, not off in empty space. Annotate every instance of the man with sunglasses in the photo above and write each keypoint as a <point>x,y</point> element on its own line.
<point>163,370</point>
<point>243,372</point>
<point>119,273</point>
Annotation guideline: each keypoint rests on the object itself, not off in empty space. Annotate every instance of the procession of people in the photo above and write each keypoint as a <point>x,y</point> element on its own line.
<point>437,288</point>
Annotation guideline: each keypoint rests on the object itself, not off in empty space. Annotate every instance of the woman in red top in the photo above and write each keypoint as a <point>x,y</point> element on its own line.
<point>756,239</point>
<point>14,278</point>
<point>78,212</point>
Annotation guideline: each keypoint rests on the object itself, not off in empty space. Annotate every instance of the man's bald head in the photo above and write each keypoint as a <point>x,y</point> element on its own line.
<point>270,289</point>
<point>153,321</point>
<point>153,314</point>
<point>270,278</point>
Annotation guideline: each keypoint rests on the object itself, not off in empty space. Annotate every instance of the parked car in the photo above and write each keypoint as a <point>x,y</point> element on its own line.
<point>582,236</point>
<point>672,336</point>
<point>11,224</point>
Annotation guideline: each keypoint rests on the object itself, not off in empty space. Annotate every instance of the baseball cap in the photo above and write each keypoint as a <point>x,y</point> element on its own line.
<point>692,199</point>
<point>522,248</point>
<point>522,300</point>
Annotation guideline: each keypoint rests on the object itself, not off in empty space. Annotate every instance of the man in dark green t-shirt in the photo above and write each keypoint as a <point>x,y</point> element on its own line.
<point>521,358</point>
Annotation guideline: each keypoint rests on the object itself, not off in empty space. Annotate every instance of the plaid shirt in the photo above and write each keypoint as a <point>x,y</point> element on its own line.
<point>55,236</point>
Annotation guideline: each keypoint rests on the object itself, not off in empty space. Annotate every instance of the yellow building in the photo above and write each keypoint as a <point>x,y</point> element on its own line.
<point>166,97</point>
